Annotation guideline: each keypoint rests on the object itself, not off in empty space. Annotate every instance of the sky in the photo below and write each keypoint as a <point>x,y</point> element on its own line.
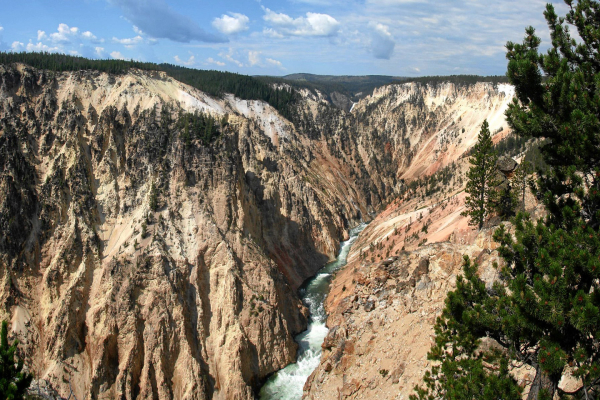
<point>268,37</point>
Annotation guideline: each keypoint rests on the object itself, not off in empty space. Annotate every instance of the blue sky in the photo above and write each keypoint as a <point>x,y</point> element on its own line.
<point>265,37</point>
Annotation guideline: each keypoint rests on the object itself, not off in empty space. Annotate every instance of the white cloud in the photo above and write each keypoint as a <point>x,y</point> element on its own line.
<point>64,34</point>
<point>231,24</point>
<point>39,46</point>
<point>189,62</point>
<point>272,33</point>
<point>229,57</point>
<point>211,60</point>
<point>382,42</point>
<point>275,63</point>
<point>254,58</point>
<point>129,42</point>
<point>99,51</point>
<point>137,30</point>
<point>314,24</point>
<point>89,35</point>
<point>117,55</point>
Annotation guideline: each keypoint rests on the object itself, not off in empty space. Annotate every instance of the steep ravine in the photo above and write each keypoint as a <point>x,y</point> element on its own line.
<point>136,264</point>
<point>288,383</point>
<point>383,304</point>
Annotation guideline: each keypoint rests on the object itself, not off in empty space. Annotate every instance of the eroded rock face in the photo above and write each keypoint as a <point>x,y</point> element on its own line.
<point>420,129</point>
<point>382,316</point>
<point>136,265</point>
<point>383,305</point>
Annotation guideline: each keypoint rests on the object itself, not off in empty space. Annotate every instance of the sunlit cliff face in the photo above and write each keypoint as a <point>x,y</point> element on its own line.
<point>134,264</point>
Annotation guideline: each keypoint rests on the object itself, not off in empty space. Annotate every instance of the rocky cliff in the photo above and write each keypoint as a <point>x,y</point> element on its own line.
<point>383,305</point>
<point>134,264</point>
<point>140,261</point>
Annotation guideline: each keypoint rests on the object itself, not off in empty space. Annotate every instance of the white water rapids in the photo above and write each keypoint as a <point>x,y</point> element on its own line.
<point>287,383</point>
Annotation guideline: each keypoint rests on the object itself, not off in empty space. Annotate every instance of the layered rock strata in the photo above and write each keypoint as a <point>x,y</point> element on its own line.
<point>137,264</point>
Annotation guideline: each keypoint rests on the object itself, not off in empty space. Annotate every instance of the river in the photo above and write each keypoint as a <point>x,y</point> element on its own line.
<point>287,383</point>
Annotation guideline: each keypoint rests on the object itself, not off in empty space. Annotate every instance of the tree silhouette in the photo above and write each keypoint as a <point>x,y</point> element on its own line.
<point>13,381</point>
<point>482,182</point>
<point>545,309</point>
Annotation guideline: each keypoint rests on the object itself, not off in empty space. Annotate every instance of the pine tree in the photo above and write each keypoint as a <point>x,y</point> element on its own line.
<point>153,197</point>
<point>13,382</point>
<point>461,370</point>
<point>482,182</point>
<point>545,310</point>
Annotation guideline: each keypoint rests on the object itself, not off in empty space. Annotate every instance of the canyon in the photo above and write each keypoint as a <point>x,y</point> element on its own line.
<point>136,264</point>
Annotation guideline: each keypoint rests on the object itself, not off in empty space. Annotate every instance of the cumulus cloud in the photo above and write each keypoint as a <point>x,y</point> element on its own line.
<point>158,20</point>
<point>129,42</point>
<point>275,63</point>
<point>314,24</point>
<point>382,42</point>
<point>189,62</point>
<point>39,46</point>
<point>253,58</point>
<point>229,57</point>
<point>89,35</point>
<point>272,33</point>
<point>231,24</point>
<point>66,34</point>
<point>211,60</point>
<point>66,39</point>
<point>117,55</point>
<point>99,51</point>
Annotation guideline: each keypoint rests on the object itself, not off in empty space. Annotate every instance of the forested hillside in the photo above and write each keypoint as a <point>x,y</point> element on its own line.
<point>215,83</point>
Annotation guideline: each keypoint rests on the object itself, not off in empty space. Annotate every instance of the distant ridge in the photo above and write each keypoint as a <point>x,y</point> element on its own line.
<point>356,87</point>
<point>342,91</point>
<point>352,85</point>
<point>457,79</point>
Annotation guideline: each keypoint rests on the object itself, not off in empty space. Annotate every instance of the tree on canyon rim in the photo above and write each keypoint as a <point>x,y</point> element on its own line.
<point>482,182</point>
<point>13,381</point>
<point>545,308</point>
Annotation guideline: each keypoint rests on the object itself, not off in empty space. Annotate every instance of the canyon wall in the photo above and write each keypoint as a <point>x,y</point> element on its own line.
<point>383,305</point>
<point>137,264</point>
<point>133,264</point>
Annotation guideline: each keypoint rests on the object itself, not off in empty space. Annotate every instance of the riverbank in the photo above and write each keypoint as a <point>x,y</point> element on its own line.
<point>288,383</point>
